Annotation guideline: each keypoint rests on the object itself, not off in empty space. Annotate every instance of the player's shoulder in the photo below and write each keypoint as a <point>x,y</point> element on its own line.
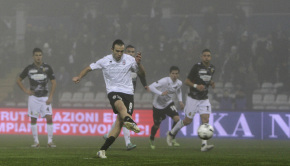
<point>128,57</point>
<point>179,82</point>
<point>198,64</point>
<point>46,65</point>
<point>162,80</point>
<point>30,66</point>
<point>165,79</point>
<point>106,58</point>
<point>212,66</point>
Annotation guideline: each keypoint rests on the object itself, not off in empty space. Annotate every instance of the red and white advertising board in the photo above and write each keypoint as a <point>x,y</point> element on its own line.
<point>72,122</point>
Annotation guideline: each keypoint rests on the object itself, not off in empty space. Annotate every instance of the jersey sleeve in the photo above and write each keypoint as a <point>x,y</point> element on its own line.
<point>153,87</point>
<point>24,73</point>
<point>135,67</point>
<point>97,65</point>
<point>213,69</point>
<point>192,73</point>
<point>179,92</point>
<point>50,73</point>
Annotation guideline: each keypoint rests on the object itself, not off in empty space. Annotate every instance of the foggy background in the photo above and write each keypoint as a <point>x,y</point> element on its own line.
<point>249,41</point>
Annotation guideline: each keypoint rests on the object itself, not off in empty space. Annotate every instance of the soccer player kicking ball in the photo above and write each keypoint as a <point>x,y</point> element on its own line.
<point>117,69</point>
<point>39,100</point>
<point>130,50</point>
<point>163,105</point>
<point>199,80</point>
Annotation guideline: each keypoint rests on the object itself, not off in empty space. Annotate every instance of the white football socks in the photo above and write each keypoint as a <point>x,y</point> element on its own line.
<point>34,133</point>
<point>126,135</point>
<point>49,132</point>
<point>177,127</point>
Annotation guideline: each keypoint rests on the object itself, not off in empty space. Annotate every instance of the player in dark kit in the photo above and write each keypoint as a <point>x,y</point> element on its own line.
<point>39,101</point>
<point>199,80</point>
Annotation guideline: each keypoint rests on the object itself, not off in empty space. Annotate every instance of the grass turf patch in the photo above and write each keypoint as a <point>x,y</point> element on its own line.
<point>81,150</point>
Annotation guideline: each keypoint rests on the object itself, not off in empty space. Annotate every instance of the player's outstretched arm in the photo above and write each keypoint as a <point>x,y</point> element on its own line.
<point>84,72</point>
<point>141,71</point>
<point>142,76</point>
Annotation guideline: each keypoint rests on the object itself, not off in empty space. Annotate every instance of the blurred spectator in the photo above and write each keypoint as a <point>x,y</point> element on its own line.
<point>270,66</point>
<point>251,84</point>
<point>63,78</point>
<point>229,38</point>
<point>281,46</point>
<point>210,18</point>
<point>239,17</point>
<point>82,27</point>
<point>226,102</point>
<point>244,48</point>
<point>240,99</point>
<point>210,38</point>
<point>239,78</point>
<point>229,67</point>
<point>189,38</point>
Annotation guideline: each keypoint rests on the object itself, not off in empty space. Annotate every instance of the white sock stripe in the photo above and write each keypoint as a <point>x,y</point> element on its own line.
<point>182,123</point>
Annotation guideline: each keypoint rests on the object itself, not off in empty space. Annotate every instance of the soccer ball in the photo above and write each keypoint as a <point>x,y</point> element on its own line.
<point>205,131</point>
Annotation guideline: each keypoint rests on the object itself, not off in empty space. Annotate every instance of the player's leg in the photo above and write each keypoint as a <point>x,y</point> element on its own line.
<point>171,134</point>
<point>205,110</point>
<point>127,118</point>
<point>33,112</point>
<point>34,132</point>
<point>154,130</point>
<point>123,105</point>
<point>46,112</point>
<point>204,146</point>
<point>107,134</point>
<point>173,113</point>
<point>158,116</point>
<point>176,119</point>
<point>127,138</point>
<point>111,138</point>
<point>49,124</point>
<point>190,110</point>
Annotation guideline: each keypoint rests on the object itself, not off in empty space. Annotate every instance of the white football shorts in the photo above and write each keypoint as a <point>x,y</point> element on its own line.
<point>194,106</point>
<point>37,106</point>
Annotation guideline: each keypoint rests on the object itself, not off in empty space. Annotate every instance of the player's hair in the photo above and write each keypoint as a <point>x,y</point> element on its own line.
<point>36,50</point>
<point>117,42</point>
<point>129,46</point>
<point>205,50</point>
<point>173,68</point>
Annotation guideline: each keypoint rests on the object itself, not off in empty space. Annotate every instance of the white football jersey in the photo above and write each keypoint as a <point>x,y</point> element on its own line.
<point>117,74</point>
<point>165,84</point>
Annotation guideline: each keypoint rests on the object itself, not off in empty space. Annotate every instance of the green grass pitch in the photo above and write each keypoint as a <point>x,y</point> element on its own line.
<point>81,150</point>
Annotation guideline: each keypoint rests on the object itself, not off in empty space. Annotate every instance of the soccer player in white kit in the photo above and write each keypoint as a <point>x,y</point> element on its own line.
<point>163,105</point>
<point>117,69</point>
<point>39,100</point>
<point>130,50</point>
<point>199,80</point>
